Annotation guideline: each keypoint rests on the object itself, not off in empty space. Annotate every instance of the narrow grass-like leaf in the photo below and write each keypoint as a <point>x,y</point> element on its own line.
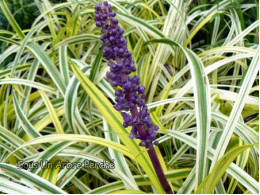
<point>10,187</point>
<point>208,185</point>
<point>202,105</point>
<point>48,64</point>
<point>80,138</point>
<point>53,113</point>
<point>28,83</point>
<point>64,67</point>
<point>28,127</point>
<point>237,109</point>
<point>11,19</point>
<point>31,178</point>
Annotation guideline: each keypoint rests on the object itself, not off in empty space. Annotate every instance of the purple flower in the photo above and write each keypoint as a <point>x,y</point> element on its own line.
<point>130,96</point>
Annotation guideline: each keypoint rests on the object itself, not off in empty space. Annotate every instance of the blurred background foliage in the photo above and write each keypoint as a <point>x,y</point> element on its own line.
<point>24,12</point>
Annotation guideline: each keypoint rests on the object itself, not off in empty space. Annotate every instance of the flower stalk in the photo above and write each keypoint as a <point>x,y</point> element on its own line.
<point>130,94</point>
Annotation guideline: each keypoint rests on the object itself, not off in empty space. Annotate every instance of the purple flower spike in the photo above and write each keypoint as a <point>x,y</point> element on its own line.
<point>131,96</point>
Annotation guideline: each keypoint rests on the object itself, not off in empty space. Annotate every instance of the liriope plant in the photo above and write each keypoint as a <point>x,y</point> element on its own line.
<point>198,62</point>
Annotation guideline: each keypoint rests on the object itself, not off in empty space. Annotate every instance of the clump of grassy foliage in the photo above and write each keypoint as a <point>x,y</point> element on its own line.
<point>198,61</point>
